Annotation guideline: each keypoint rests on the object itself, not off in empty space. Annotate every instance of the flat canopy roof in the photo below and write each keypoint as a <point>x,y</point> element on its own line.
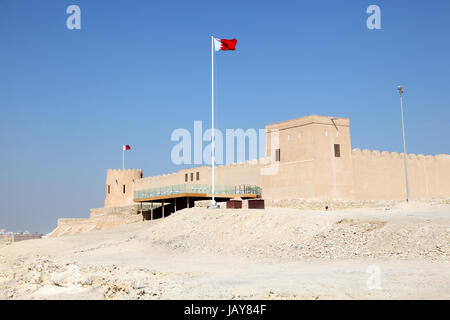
<point>196,195</point>
<point>196,191</point>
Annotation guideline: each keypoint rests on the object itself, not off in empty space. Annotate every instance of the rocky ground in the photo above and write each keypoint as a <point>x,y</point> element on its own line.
<point>390,252</point>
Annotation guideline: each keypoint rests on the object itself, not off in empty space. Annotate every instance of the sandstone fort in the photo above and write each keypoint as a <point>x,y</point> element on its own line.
<point>309,159</point>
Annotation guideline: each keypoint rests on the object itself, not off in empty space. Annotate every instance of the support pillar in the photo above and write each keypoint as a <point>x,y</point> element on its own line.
<point>163,208</point>
<point>151,211</point>
<point>187,202</point>
<point>175,204</point>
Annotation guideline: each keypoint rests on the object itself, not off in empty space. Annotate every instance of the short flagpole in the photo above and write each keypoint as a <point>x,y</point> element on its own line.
<point>123,157</point>
<point>213,201</point>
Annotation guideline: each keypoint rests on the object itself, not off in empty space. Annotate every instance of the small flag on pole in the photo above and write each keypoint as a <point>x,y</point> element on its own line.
<point>124,147</point>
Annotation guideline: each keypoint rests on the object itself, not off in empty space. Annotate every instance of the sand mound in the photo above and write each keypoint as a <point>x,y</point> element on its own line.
<point>240,254</point>
<point>291,234</point>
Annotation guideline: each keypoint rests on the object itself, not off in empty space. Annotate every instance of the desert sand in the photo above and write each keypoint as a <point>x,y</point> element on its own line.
<point>273,253</point>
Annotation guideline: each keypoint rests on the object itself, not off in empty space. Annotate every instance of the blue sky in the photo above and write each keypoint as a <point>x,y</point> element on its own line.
<point>137,70</point>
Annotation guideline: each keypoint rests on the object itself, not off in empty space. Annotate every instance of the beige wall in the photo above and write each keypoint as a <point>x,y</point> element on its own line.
<point>382,175</point>
<point>307,166</point>
<point>230,175</point>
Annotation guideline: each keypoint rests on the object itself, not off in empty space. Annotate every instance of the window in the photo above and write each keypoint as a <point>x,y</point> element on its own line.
<point>123,188</point>
<point>186,177</point>
<point>192,176</point>
<point>337,150</point>
<point>277,154</point>
<point>289,137</point>
<point>198,175</point>
<point>109,189</point>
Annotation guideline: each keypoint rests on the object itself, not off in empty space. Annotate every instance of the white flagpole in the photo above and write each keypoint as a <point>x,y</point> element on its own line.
<point>123,157</point>
<point>213,201</point>
<point>404,144</point>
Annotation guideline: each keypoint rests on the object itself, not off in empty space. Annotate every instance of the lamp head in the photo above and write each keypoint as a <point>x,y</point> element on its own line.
<point>400,89</point>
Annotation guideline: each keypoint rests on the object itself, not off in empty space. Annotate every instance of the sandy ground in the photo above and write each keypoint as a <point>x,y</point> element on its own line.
<point>387,253</point>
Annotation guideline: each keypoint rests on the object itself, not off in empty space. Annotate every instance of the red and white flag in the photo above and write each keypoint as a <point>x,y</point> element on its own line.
<point>124,147</point>
<point>224,44</point>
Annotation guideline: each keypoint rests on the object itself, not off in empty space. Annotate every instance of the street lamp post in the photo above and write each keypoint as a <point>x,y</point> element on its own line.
<point>400,90</point>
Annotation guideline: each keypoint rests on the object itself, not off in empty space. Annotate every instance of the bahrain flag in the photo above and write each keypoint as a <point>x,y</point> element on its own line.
<point>224,44</point>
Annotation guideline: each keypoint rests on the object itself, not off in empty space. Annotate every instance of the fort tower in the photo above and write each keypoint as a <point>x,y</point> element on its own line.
<point>120,186</point>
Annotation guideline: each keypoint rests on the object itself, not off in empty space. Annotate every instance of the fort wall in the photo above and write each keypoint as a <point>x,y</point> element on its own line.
<point>375,176</point>
<point>247,172</point>
<point>99,219</point>
<point>381,175</point>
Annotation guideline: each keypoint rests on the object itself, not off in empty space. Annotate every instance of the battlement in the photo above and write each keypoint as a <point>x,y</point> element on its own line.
<point>119,173</point>
<point>376,154</point>
<point>381,175</point>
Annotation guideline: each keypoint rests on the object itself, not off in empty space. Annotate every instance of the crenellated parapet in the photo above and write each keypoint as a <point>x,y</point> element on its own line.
<point>125,173</point>
<point>376,154</point>
<point>382,175</point>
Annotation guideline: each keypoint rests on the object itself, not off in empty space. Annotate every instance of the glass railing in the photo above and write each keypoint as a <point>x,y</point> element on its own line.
<point>196,188</point>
